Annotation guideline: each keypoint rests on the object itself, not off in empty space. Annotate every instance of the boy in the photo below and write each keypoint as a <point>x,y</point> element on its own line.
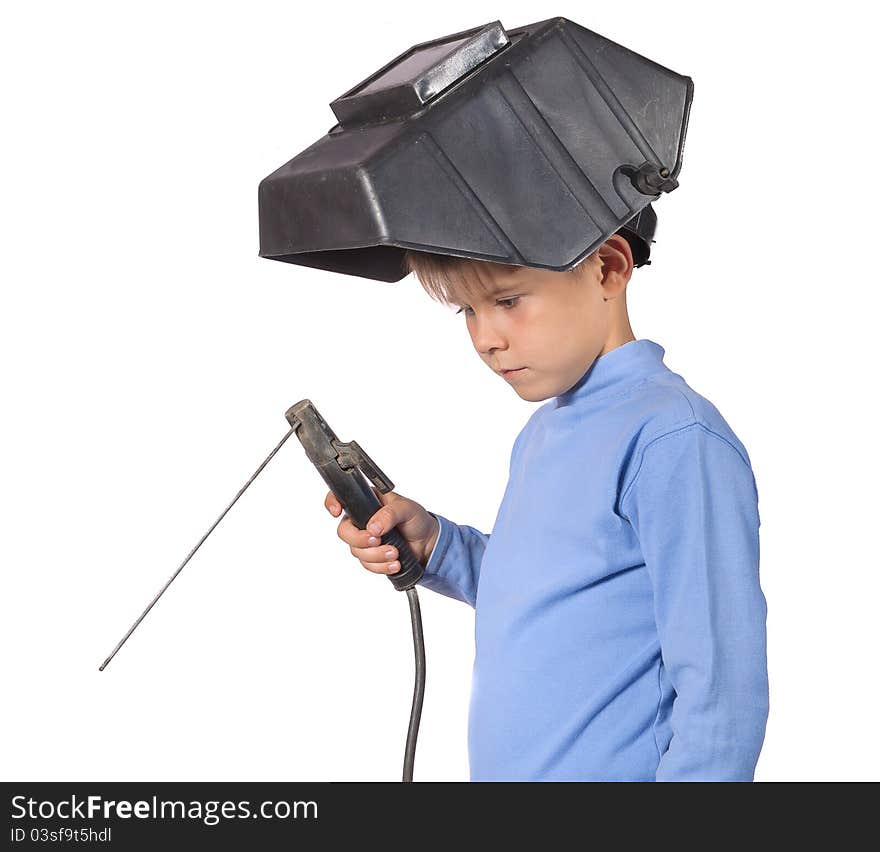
<point>620,624</point>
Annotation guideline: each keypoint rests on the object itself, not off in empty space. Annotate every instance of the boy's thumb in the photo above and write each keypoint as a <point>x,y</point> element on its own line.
<point>386,517</point>
<point>389,498</point>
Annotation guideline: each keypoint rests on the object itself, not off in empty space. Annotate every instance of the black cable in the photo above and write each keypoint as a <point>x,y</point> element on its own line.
<point>419,690</point>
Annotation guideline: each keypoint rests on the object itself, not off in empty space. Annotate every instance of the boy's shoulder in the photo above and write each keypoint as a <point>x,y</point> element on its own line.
<point>665,403</point>
<point>660,405</point>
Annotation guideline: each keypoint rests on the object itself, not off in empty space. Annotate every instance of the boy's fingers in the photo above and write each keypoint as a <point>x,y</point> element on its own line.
<point>342,530</point>
<point>354,537</point>
<point>379,560</point>
<point>381,568</point>
<point>332,504</point>
<point>382,521</point>
<point>366,545</point>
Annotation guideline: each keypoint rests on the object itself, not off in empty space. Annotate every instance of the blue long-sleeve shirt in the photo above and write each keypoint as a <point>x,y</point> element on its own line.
<point>620,623</point>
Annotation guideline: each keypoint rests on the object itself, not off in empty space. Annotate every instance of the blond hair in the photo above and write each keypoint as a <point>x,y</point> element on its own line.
<point>443,276</point>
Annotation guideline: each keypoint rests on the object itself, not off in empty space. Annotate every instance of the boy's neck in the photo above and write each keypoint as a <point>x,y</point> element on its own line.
<point>620,331</point>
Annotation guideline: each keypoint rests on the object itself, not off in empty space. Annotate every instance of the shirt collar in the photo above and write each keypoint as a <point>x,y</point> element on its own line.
<point>615,371</point>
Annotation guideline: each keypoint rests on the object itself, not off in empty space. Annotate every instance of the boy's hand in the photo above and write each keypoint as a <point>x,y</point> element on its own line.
<point>418,527</point>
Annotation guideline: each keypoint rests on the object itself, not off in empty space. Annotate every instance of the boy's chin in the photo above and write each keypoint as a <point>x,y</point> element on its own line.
<point>532,395</point>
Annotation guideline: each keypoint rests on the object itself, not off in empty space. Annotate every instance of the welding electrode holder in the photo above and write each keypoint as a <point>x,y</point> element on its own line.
<point>343,467</point>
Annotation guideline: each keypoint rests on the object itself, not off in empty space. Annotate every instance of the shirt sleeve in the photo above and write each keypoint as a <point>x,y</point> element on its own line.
<point>693,504</point>
<point>454,566</point>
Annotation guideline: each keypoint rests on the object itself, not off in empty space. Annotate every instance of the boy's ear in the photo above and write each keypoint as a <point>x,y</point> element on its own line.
<point>616,263</point>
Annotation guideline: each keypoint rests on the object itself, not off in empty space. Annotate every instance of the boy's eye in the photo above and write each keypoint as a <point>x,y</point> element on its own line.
<point>506,303</point>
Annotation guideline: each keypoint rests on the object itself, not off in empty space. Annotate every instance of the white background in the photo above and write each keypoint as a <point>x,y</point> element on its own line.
<point>149,355</point>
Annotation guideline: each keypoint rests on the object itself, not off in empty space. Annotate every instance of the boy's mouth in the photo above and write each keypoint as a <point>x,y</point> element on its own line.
<point>515,372</point>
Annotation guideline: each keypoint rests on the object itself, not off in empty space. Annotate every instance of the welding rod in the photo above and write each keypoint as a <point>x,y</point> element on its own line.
<point>192,552</point>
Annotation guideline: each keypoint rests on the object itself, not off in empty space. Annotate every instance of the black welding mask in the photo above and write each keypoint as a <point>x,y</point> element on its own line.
<point>527,147</point>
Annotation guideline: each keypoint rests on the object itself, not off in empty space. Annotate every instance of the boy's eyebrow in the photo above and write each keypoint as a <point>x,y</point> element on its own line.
<point>497,288</point>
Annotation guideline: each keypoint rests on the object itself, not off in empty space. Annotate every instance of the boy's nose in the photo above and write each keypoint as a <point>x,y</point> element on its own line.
<point>486,338</point>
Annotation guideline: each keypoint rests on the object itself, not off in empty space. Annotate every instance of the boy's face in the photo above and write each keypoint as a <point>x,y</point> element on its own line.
<point>548,326</point>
